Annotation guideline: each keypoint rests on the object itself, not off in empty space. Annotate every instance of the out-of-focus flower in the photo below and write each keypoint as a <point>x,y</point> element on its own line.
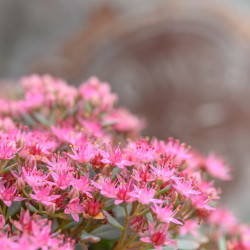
<point>217,167</point>
<point>158,236</point>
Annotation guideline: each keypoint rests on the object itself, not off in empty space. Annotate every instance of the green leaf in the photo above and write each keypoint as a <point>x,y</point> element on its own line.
<point>107,232</point>
<point>110,123</point>
<point>109,204</point>
<point>14,208</point>
<point>115,171</point>
<point>87,107</point>
<point>55,225</point>
<point>72,224</point>
<point>187,244</point>
<point>7,170</point>
<point>112,221</point>
<point>164,189</point>
<point>31,208</point>
<point>222,244</point>
<point>149,217</point>
<point>42,119</point>
<point>89,237</point>
<point>166,248</point>
<point>28,120</point>
<point>145,211</point>
<point>169,248</point>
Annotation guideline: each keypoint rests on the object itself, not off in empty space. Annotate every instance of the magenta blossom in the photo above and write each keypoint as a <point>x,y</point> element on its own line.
<point>115,157</point>
<point>185,187</point>
<point>74,209</point>
<point>144,195</point>
<point>217,167</point>
<point>106,186</point>
<point>8,149</point>
<point>43,195</point>
<point>83,153</point>
<point>34,177</point>
<point>162,173</point>
<point>62,179</point>
<point>9,194</point>
<point>82,184</point>
<point>158,236</point>
<point>165,214</point>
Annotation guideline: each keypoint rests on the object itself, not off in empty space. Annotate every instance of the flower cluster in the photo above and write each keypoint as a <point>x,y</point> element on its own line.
<point>74,167</point>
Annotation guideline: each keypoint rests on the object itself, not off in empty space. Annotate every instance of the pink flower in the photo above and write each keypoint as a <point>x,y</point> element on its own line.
<point>60,163</point>
<point>74,208</point>
<point>34,177</point>
<point>123,121</point>
<point>143,174</point>
<point>201,201</point>
<point>185,187</point>
<point>98,94</point>
<point>217,167</point>
<point>24,222</point>
<point>8,149</point>
<point>158,236</point>
<point>64,133</point>
<point>9,194</point>
<point>62,180</point>
<point>43,195</point>
<point>106,186</point>
<point>165,214</point>
<point>145,195</point>
<point>83,185</point>
<point>142,151</point>
<point>245,236</point>
<point>115,158</point>
<point>92,128</point>
<point>190,226</point>
<point>162,173</point>
<point>178,152</point>
<point>123,193</point>
<point>83,153</point>
<point>224,219</point>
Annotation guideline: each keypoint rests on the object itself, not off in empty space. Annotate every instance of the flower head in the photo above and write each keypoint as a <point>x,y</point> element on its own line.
<point>158,236</point>
<point>115,157</point>
<point>165,214</point>
<point>74,208</point>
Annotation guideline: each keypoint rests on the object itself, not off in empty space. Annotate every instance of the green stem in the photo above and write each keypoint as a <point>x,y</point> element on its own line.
<point>120,243</point>
<point>4,210</point>
<point>81,226</point>
<point>7,170</point>
<point>129,240</point>
<point>40,208</point>
<point>23,190</point>
<point>93,227</point>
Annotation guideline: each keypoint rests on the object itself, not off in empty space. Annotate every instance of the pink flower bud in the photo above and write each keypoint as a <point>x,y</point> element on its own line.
<point>20,142</point>
<point>51,208</point>
<point>2,221</point>
<point>74,193</point>
<point>20,183</point>
<point>30,161</point>
<point>138,224</point>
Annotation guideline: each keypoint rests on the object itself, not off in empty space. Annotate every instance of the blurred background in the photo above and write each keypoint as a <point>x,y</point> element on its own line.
<point>183,65</point>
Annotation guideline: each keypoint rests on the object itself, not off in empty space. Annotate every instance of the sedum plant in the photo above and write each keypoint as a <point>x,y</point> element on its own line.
<point>76,174</point>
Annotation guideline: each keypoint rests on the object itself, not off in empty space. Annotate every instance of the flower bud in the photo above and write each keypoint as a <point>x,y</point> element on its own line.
<point>93,208</point>
<point>2,221</point>
<point>51,208</point>
<point>138,224</point>
<point>74,193</point>
<point>20,183</point>
<point>30,161</point>
<point>20,142</point>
